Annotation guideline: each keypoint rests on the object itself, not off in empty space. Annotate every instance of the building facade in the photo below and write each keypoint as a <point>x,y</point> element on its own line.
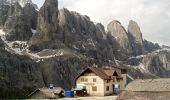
<point>101,81</point>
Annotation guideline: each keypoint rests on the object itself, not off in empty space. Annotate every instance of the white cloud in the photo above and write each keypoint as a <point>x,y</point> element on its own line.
<point>153,16</point>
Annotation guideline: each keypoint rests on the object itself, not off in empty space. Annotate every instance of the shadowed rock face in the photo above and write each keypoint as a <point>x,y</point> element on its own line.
<point>19,75</point>
<point>47,22</point>
<point>30,16</point>
<point>20,21</point>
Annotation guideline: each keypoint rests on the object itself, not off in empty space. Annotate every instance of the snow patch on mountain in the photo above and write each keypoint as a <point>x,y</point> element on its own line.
<point>21,48</point>
<point>22,3</point>
<point>154,52</point>
<point>2,32</point>
<point>33,31</point>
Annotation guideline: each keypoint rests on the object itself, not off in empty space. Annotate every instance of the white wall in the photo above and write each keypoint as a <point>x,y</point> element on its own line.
<point>110,88</point>
<point>99,83</point>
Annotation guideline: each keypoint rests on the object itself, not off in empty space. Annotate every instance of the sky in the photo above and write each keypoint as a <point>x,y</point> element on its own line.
<point>153,16</point>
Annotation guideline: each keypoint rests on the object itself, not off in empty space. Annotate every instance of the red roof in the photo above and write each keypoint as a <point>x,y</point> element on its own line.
<point>104,73</point>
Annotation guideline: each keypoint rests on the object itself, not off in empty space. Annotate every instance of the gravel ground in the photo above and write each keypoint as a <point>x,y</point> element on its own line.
<point>91,98</point>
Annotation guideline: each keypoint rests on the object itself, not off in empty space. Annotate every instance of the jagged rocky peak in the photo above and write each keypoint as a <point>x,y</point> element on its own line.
<point>135,38</point>
<point>79,23</point>
<point>100,28</point>
<point>120,35</point>
<point>30,14</point>
<point>15,9</point>
<point>16,24</point>
<point>135,32</point>
<point>81,26</point>
<point>47,21</point>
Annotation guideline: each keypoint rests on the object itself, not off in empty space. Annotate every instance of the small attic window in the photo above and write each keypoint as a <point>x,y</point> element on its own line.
<point>115,74</point>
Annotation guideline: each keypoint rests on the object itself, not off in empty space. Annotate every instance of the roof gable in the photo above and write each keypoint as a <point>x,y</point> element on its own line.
<point>48,92</point>
<point>98,71</point>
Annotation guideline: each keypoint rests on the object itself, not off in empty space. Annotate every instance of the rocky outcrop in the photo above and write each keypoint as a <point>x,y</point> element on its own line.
<point>157,63</point>
<point>120,36</point>
<point>74,27</point>
<point>150,47</point>
<point>135,37</point>
<point>30,15</point>
<point>151,65</point>
<point>16,24</point>
<point>47,22</point>
<point>78,32</point>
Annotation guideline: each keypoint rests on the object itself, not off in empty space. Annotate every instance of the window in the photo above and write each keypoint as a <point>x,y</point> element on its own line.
<point>82,79</point>
<point>107,88</point>
<point>94,88</point>
<point>84,87</point>
<point>119,79</point>
<point>94,80</point>
<point>107,81</point>
<point>86,80</point>
<point>122,79</point>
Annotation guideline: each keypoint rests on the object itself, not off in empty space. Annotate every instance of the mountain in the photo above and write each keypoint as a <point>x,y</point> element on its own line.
<point>21,2</point>
<point>135,37</point>
<point>54,45</point>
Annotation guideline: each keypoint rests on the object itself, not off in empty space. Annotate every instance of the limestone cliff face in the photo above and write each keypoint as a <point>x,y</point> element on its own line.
<point>47,22</point>
<point>30,16</point>
<point>19,22</point>
<point>120,36</point>
<point>135,37</point>
<point>157,63</point>
<point>78,32</point>
<point>74,27</point>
